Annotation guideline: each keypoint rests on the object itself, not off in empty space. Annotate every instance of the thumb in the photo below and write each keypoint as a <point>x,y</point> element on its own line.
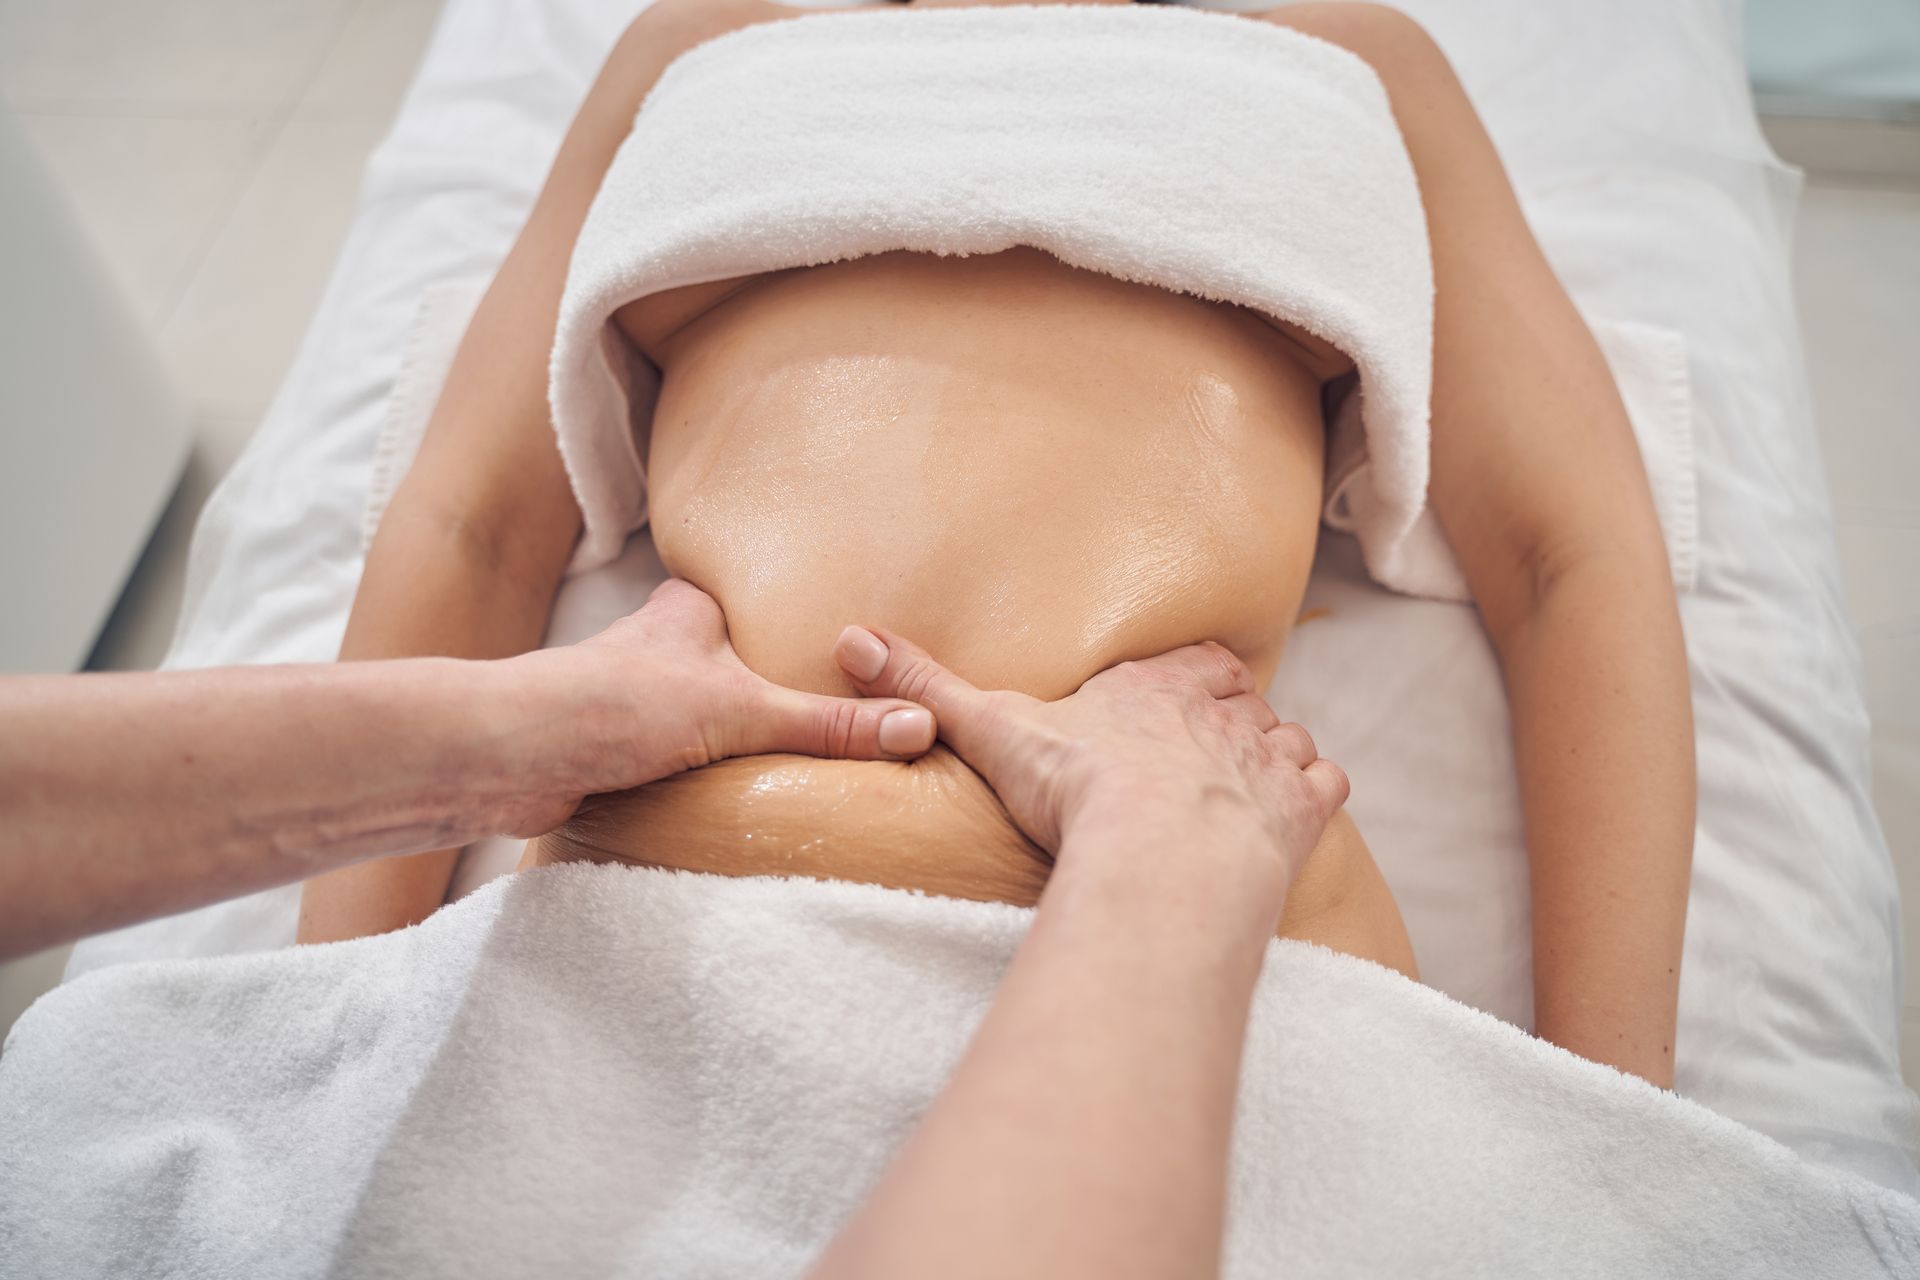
<point>813,724</point>
<point>883,664</point>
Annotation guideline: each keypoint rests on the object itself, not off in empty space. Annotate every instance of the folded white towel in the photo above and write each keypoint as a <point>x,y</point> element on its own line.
<point>1197,152</point>
<point>607,1071</point>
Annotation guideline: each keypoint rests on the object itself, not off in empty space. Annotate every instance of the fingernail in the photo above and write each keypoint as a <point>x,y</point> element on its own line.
<point>863,655</point>
<point>906,732</point>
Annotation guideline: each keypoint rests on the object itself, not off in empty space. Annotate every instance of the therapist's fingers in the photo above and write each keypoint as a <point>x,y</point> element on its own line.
<point>1295,743</point>
<point>883,664</point>
<point>1329,783</point>
<point>781,719</point>
<point>1258,711</point>
<point>1211,665</point>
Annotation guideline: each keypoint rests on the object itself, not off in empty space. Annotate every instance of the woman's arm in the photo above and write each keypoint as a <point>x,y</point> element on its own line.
<point>127,796</point>
<point>1539,484</point>
<point>474,544</point>
<point>1085,1132</point>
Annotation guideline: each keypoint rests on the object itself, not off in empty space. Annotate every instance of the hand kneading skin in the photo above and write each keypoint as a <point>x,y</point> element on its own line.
<point>1038,471</point>
<point>1034,470</point>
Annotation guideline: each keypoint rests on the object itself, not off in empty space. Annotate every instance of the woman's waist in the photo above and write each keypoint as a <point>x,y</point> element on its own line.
<point>931,825</point>
<point>1032,585</point>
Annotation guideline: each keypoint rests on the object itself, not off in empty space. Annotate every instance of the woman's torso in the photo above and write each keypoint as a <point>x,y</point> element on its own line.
<point>1034,471</point>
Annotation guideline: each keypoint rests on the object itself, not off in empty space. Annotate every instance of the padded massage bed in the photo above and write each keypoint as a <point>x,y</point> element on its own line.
<point>1630,136</point>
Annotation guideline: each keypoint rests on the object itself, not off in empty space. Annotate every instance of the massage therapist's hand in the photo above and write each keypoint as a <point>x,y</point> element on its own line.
<point>129,795</point>
<point>667,693</point>
<point>1177,750</point>
<point>1086,1129</point>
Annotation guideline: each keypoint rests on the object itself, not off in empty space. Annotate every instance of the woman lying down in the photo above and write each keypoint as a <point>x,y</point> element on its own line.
<point>1030,332</point>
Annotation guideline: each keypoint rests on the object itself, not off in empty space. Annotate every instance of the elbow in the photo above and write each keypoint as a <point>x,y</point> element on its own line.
<point>1617,556</point>
<point>1611,574</point>
<point>506,546</point>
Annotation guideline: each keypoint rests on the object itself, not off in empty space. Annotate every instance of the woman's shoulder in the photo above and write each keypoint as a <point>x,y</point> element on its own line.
<point>668,28</point>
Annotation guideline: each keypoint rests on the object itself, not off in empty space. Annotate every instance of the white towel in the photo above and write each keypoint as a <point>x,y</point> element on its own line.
<point>1198,152</point>
<point>608,1071</point>
<point>1649,366</point>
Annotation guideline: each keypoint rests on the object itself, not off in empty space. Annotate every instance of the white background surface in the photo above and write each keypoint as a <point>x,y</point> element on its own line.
<point>213,148</point>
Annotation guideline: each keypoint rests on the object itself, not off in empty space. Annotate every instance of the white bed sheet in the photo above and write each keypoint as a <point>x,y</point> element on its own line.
<point>1629,132</point>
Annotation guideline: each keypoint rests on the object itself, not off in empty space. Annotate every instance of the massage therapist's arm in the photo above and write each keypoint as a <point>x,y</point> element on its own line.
<point>129,796</point>
<point>472,548</point>
<point>1539,485</point>
<point>1085,1132</point>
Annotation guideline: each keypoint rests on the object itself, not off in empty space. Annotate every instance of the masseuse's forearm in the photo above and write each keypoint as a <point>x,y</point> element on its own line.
<point>1604,734</point>
<point>1085,1133</point>
<point>433,586</point>
<point>127,796</point>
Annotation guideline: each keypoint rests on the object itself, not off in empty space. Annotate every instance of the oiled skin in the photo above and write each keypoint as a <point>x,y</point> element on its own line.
<point>1536,482</point>
<point>1035,471</point>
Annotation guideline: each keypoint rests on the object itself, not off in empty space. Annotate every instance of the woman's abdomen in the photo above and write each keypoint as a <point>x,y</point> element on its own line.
<point>1032,471</point>
<point>929,824</point>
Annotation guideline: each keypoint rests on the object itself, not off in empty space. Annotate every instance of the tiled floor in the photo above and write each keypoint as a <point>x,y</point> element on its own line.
<point>213,149</point>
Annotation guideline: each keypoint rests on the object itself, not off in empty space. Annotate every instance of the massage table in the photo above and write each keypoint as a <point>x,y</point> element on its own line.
<point>1629,133</point>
